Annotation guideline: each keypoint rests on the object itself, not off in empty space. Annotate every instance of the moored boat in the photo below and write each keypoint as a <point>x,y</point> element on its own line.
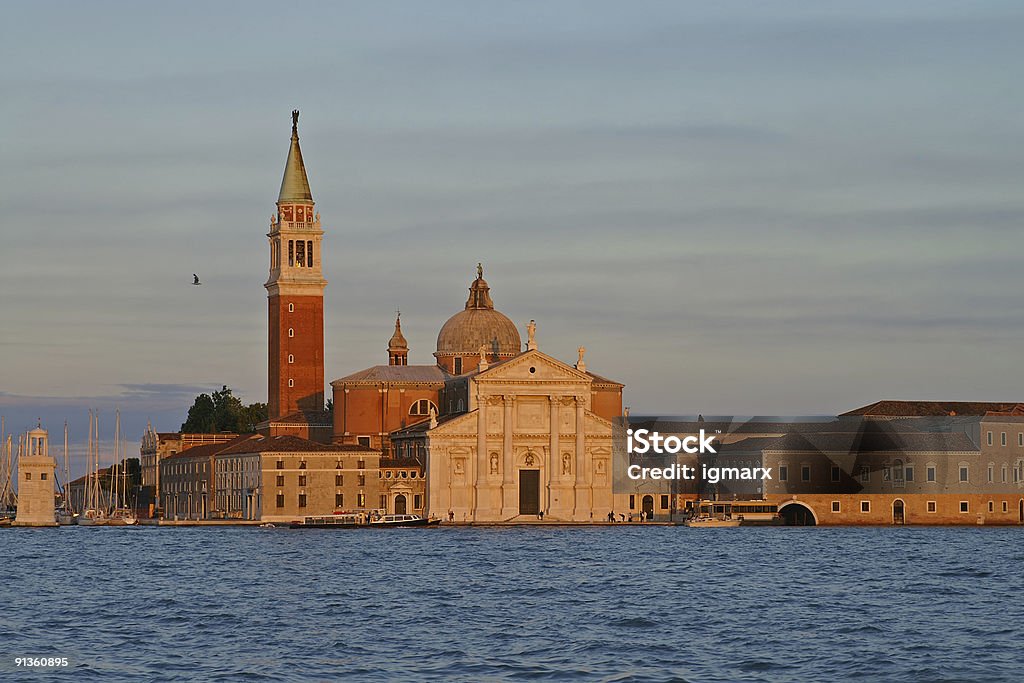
<point>403,520</point>
<point>704,522</point>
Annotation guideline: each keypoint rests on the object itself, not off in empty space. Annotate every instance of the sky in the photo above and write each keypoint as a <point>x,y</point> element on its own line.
<point>737,207</point>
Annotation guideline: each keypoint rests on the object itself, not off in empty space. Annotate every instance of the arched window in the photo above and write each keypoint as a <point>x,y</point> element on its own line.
<point>291,308</point>
<point>422,407</point>
<point>291,331</point>
<point>291,358</point>
<point>291,383</point>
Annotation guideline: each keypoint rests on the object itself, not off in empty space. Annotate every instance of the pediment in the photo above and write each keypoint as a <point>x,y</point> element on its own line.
<point>533,366</point>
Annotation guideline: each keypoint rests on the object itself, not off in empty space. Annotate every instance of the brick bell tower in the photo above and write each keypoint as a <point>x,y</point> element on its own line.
<point>295,294</point>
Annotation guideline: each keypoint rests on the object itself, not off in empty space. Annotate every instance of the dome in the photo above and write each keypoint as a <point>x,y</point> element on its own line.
<point>479,325</point>
<point>468,330</point>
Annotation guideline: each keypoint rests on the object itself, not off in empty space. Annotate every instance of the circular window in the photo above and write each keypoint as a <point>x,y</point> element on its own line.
<point>533,370</point>
<point>387,475</point>
<point>412,475</point>
<point>405,474</point>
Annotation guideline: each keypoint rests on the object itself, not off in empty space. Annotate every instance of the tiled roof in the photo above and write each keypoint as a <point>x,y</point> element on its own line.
<point>874,442</point>
<point>400,462</point>
<point>397,373</point>
<point>207,449</point>
<point>423,425</point>
<point>598,379</point>
<point>305,418</point>
<point>286,443</point>
<point>930,408</point>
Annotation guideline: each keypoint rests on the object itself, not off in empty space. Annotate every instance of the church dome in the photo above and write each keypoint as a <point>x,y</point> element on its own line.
<point>478,325</point>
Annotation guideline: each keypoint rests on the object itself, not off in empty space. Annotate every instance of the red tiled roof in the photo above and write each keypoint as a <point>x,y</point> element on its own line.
<point>286,443</point>
<point>931,408</point>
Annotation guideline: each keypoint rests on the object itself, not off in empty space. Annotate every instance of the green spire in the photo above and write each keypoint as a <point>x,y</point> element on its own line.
<point>295,185</point>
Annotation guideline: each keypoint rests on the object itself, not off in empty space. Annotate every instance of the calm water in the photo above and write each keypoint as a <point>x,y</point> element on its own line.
<point>519,603</point>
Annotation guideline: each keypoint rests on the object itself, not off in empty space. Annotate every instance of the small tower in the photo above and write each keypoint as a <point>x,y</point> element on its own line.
<point>295,294</point>
<point>35,482</point>
<point>398,348</point>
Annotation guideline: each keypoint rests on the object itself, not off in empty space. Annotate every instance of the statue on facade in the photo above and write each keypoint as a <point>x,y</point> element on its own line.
<point>494,463</point>
<point>531,335</point>
<point>566,463</point>
<point>479,271</point>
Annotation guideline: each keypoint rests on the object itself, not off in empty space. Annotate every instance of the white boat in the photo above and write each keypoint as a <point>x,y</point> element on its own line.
<point>711,522</point>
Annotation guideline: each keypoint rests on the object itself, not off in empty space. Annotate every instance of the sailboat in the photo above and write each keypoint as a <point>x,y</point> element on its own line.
<point>7,498</point>
<point>93,514</point>
<point>120,513</point>
<point>65,515</point>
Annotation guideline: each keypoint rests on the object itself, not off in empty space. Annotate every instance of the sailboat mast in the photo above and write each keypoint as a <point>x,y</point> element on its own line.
<point>67,472</point>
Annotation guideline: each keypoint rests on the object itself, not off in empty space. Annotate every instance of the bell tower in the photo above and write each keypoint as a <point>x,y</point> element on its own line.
<point>295,294</point>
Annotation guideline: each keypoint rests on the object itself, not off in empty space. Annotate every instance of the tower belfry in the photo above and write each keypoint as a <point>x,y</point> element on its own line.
<point>295,294</point>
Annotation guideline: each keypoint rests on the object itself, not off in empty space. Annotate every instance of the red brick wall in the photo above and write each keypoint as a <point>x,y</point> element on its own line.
<point>307,348</point>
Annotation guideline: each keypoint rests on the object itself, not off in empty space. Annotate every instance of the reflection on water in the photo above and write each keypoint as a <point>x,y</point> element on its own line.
<point>468,604</point>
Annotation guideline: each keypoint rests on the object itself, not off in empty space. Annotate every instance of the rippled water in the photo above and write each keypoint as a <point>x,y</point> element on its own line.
<point>557,604</point>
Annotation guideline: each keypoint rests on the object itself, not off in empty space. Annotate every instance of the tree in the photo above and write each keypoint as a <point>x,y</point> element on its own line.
<point>223,412</point>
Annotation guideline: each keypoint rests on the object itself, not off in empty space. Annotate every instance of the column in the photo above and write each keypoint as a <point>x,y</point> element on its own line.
<point>582,512</point>
<point>509,490</point>
<point>479,497</point>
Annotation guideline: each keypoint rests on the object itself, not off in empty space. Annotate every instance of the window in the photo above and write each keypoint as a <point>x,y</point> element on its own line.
<point>965,506</point>
<point>964,473</point>
<point>362,480</point>
<point>865,474</point>
<point>1002,438</point>
<point>1002,474</point>
<point>930,473</point>
<point>300,253</point>
<point>302,480</point>
<point>991,473</point>
<point>28,476</point>
<point>383,502</point>
<point>1020,438</point>
<point>897,471</point>
<point>42,476</point>
<point>664,502</point>
<point>836,507</point>
<point>632,502</point>
<point>339,479</point>
<point>989,438</point>
<point>291,358</point>
<point>422,407</point>
<point>783,473</point>
<point>387,474</point>
<point>302,496</point>
<point>363,441</point>
<point>910,473</point>
<point>291,252</point>
<point>291,383</point>
<point>418,502</point>
<point>291,331</point>
<point>991,506</point>
<point>280,480</point>
<point>1005,506</point>
<point>291,308</point>
<point>309,254</point>
<point>302,464</point>
<point>835,473</point>
<point>280,500</point>
<point>339,500</point>
<point>458,366</point>
<point>361,500</point>
<point>280,464</point>
<point>865,506</point>
<point>361,464</point>
<point>805,473</point>
<point>931,506</point>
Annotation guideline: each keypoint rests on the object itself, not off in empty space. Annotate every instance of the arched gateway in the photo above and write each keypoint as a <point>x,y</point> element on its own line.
<point>797,514</point>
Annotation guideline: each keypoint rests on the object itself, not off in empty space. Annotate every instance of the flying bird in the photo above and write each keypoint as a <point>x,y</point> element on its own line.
<point>195,279</point>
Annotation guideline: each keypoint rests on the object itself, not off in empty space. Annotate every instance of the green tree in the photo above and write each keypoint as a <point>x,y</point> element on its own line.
<point>223,412</point>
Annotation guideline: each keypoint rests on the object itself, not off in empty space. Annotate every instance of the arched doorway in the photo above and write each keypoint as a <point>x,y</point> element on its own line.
<point>399,504</point>
<point>797,514</point>
<point>898,516</point>
<point>647,505</point>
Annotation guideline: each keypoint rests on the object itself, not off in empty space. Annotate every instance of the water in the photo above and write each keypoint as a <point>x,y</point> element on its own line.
<point>556,604</point>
